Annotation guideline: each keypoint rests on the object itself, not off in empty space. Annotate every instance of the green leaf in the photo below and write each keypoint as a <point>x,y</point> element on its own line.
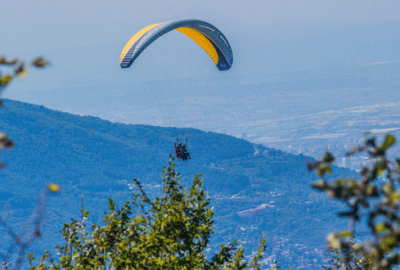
<point>323,169</point>
<point>345,234</point>
<point>380,227</point>
<point>389,141</point>
<point>5,80</point>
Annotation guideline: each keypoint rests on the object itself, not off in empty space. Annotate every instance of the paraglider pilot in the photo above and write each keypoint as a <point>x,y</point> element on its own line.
<point>181,151</point>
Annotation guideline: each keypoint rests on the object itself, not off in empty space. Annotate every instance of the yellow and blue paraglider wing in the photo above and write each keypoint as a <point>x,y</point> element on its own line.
<point>207,36</point>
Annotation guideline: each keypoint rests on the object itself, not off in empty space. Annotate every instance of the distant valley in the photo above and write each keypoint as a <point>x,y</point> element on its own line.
<point>305,112</point>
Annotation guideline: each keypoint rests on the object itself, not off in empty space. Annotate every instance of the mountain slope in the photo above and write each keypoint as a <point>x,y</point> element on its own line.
<point>96,158</point>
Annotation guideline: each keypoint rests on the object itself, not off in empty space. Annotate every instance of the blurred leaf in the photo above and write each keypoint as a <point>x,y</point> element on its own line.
<point>371,191</point>
<point>328,157</point>
<point>381,227</point>
<point>333,241</point>
<point>345,234</point>
<point>5,142</point>
<point>40,62</point>
<point>21,71</point>
<point>388,242</point>
<point>13,62</point>
<point>389,141</point>
<point>319,185</point>
<point>380,170</point>
<point>54,188</point>
<point>5,80</point>
<point>395,197</point>
<point>323,169</point>
<point>357,247</point>
<point>3,61</point>
<point>388,188</point>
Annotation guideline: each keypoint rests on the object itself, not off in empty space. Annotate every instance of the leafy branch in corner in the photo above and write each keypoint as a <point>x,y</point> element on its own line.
<point>373,197</point>
<point>28,233</point>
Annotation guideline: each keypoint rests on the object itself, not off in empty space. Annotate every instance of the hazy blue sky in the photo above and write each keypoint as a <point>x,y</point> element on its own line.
<point>83,39</point>
<point>54,24</point>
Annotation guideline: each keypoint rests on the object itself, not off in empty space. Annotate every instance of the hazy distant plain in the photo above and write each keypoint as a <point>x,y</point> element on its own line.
<point>299,112</point>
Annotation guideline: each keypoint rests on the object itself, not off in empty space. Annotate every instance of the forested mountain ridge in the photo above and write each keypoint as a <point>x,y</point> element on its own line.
<point>96,158</point>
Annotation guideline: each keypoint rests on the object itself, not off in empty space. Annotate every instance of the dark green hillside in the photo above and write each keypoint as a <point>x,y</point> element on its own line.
<point>96,158</point>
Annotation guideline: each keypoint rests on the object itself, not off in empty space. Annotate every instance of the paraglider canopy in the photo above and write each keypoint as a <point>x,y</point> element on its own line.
<point>207,36</point>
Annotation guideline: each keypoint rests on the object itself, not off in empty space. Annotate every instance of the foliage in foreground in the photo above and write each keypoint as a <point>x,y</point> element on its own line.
<point>170,232</point>
<point>373,198</point>
<point>20,70</point>
<point>25,236</point>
